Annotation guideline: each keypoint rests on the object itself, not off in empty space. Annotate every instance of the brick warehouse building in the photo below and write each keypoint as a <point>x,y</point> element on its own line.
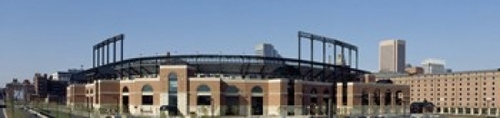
<point>458,93</point>
<point>232,85</point>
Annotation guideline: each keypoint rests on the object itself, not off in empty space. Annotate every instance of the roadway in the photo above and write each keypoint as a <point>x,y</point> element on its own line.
<point>3,111</point>
<point>2,114</point>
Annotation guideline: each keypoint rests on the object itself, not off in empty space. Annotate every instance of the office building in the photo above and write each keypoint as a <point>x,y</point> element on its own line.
<point>434,66</point>
<point>392,56</point>
<point>266,50</point>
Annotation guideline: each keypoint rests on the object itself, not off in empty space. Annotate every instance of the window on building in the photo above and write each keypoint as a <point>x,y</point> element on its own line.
<point>204,95</point>
<point>147,100</point>
<point>172,89</point>
<point>147,95</point>
<point>203,100</point>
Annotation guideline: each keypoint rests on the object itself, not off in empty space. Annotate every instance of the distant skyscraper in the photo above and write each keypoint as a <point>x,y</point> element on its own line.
<point>266,50</point>
<point>434,66</point>
<point>392,56</point>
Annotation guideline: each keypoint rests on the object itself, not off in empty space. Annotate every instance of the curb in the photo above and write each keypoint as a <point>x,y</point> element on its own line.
<point>37,113</point>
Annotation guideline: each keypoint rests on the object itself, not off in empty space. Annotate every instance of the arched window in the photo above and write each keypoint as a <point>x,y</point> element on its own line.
<point>257,100</point>
<point>203,88</point>
<point>257,91</point>
<point>125,98</point>
<point>125,90</point>
<point>232,90</point>
<point>172,89</point>
<point>204,95</point>
<point>231,100</point>
<point>172,83</point>
<point>147,95</point>
<point>147,88</point>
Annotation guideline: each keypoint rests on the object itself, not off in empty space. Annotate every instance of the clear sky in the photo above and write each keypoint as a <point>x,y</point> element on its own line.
<point>47,36</point>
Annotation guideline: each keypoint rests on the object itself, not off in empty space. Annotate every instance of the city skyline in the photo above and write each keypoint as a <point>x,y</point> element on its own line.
<point>47,37</point>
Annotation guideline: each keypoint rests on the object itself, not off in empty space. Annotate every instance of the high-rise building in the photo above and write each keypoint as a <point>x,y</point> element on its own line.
<point>392,56</point>
<point>266,50</point>
<point>434,66</point>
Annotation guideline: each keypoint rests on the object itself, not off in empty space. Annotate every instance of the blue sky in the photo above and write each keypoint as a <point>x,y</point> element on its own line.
<point>47,36</point>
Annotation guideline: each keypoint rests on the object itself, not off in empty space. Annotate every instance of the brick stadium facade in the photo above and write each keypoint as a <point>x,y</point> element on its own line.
<point>178,85</point>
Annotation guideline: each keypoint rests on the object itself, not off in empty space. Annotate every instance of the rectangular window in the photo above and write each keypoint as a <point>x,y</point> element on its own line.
<point>147,100</point>
<point>172,87</point>
<point>203,100</point>
<point>172,100</point>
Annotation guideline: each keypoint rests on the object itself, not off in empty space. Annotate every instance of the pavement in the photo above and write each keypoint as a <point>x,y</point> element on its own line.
<point>2,110</point>
<point>27,114</point>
